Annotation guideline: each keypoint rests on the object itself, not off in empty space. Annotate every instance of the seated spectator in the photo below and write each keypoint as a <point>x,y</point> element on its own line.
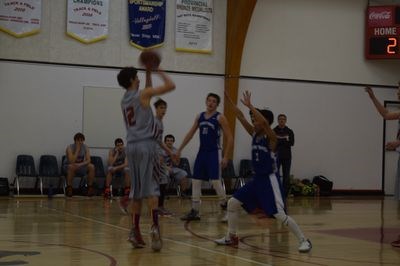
<point>78,164</point>
<point>117,166</point>
<point>178,174</point>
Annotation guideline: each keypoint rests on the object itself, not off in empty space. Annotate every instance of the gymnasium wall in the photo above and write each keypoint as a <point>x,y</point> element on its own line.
<point>303,58</point>
<point>53,45</point>
<point>43,106</point>
<point>313,40</point>
<point>338,132</point>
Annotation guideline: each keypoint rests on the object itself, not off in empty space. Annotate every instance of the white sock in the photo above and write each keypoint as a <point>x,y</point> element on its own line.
<point>291,224</point>
<point>219,189</point>
<point>234,207</point>
<point>196,194</point>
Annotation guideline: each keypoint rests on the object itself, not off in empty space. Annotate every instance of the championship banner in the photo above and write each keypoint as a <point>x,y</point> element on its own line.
<point>20,18</point>
<point>87,20</point>
<point>193,28</point>
<point>146,23</point>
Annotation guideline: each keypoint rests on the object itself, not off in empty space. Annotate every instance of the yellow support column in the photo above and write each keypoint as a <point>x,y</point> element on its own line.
<point>239,13</point>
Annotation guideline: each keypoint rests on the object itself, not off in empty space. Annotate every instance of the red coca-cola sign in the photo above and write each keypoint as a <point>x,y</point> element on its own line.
<point>380,16</point>
<point>382,32</point>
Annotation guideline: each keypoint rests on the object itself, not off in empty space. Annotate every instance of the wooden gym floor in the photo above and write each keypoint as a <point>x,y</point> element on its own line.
<point>82,231</point>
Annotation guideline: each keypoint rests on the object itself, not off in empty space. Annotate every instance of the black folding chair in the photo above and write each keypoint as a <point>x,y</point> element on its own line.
<point>229,173</point>
<point>48,168</point>
<point>25,167</point>
<point>99,173</point>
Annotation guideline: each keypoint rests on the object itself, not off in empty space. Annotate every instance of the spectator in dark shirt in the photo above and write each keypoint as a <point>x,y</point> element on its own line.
<point>285,141</point>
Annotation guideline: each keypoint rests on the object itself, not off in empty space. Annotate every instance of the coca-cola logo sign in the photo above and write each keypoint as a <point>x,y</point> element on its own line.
<point>380,16</point>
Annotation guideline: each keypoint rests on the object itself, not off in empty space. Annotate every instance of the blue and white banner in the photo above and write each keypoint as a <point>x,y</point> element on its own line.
<point>194,26</point>
<point>87,20</point>
<point>20,18</point>
<point>147,23</point>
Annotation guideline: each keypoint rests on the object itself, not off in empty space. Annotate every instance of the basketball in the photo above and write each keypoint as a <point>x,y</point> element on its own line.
<point>150,59</point>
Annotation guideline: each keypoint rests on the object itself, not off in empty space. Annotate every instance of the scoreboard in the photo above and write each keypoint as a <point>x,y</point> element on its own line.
<point>382,32</point>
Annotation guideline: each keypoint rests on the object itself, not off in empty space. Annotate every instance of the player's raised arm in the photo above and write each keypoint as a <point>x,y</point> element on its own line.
<point>151,61</point>
<point>149,92</point>
<point>261,119</point>
<point>240,116</point>
<point>380,108</point>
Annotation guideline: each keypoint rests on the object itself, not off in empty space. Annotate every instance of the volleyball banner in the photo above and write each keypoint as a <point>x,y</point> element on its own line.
<point>20,18</point>
<point>193,26</point>
<point>147,23</point>
<point>87,20</point>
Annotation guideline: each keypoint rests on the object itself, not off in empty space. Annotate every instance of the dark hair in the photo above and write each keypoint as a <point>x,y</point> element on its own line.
<point>159,102</point>
<point>118,140</point>
<point>216,96</point>
<point>267,114</point>
<point>125,75</point>
<point>169,136</point>
<point>280,115</point>
<point>79,136</point>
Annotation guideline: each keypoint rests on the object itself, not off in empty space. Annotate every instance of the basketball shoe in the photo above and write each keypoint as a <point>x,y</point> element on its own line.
<point>305,246</point>
<point>193,215</point>
<point>136,238</point>
<point>156,241</point>
<point>232,241</point>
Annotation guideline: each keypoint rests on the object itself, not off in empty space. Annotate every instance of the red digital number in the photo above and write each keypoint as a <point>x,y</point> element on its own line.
<point>390,48</point>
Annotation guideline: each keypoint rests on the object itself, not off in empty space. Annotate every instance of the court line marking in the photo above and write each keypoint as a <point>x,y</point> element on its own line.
<point>112,260</point>
<point>167,239</point>
<point>257,249</point>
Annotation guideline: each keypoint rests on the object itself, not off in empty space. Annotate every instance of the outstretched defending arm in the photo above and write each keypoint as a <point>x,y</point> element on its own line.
<point>380,108</point>
<point>239,114</point>
<point>261,119</point>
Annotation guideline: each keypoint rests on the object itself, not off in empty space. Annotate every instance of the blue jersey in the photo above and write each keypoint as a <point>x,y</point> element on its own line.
<point>263,159</point>
<point>264,191</point>
<point>210,132</point>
